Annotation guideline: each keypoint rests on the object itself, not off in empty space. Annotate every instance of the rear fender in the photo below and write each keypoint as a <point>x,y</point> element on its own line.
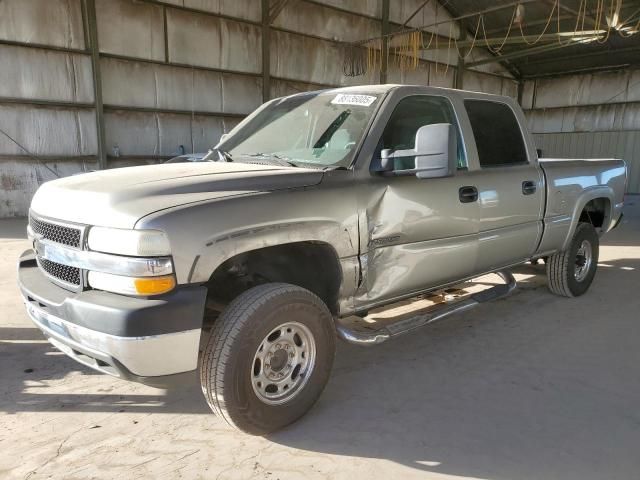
<point>591,193</point>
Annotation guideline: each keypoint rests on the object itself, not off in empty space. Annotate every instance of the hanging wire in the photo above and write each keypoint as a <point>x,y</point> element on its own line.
<point>544,30</point>
<point>484,32</point>
<point>406,45</point>
<point>446,68</point>
<point>473,42</point>
<point>38,159</point>
<point>581,9</point>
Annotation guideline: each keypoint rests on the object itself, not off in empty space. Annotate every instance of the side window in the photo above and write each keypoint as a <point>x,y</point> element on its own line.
<point>410,114</point>
<point>497,133</point>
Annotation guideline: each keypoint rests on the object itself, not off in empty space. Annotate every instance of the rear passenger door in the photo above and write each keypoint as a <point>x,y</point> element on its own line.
<point>509,183</point>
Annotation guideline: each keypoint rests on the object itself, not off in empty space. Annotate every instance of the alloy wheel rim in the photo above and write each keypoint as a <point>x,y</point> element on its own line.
<point>584,258</point>
<point>283,363</point>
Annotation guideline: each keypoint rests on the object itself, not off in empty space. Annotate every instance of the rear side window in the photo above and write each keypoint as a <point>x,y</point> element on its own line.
<point>497,133</point>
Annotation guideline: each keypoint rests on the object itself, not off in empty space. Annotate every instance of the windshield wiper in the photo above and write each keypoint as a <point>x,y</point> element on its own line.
<point>223,155</point>
<point>335,167</point>
<point>282,160</point>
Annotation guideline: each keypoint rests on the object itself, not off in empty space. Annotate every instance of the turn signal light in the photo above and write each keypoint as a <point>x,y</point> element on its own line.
<point>154,285</point>
<point>132,285</point>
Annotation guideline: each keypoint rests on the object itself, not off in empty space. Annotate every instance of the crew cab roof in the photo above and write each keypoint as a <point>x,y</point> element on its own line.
<point>384,88</point>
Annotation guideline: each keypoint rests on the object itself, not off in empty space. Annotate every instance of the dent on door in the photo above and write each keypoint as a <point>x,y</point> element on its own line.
<point>415,235</point>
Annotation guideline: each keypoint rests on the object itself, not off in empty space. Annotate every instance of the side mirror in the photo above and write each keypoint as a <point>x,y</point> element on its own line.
<point>435,150</point>
<point>434,153</point>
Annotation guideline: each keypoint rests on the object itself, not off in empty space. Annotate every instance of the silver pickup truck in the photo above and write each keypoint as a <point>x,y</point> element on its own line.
<point>315,209</point>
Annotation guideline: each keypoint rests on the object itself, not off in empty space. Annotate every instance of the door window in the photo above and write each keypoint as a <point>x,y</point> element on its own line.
<point>410,114</point>
<point>497,133</point>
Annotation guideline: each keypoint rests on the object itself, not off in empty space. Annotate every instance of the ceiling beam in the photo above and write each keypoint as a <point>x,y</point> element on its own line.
<point>585,55</point>
<point>631,18</point>
<point>416,11</point>
<point>570,10</point>
<point>527,39</point>
<point>528,24</point>
<point>583,71</point>
<point>519,54</point>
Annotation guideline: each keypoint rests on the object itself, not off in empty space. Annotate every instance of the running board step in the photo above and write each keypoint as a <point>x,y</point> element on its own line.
<point>365,335</point>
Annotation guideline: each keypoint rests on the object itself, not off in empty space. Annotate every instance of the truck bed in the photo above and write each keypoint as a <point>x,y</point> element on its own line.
<point>570,185</point>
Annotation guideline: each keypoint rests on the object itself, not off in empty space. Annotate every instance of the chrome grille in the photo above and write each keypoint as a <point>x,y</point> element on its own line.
<point>64,273</point>
<point>54,232</point>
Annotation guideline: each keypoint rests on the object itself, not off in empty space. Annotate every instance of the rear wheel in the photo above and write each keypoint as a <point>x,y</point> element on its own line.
<point>268,358</point>
<point>571,272</point>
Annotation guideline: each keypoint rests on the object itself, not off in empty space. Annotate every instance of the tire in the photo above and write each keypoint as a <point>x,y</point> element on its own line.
<point>243,338</point>
<point>564,274</point>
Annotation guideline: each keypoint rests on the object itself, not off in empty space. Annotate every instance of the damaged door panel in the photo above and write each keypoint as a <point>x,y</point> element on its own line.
<point>419,233</point>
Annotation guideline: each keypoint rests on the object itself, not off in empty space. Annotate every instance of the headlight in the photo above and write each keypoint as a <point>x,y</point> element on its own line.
<point>128,273</point>
<point>132,285</point>
<point>138,243</point>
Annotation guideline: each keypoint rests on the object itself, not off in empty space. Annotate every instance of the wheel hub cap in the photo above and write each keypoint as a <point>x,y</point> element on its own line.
<point>283,363</point>
<point>584,258</point>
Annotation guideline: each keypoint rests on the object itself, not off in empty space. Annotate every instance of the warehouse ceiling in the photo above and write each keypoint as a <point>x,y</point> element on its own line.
<point>551,37</point>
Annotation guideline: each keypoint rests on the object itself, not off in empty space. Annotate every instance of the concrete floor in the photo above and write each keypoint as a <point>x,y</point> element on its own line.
<point>534,386</point>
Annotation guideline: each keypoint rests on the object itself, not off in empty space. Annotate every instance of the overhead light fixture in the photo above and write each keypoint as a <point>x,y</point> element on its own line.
<point>583,36</point>
<point>518,18</point>
<point>614,21</point>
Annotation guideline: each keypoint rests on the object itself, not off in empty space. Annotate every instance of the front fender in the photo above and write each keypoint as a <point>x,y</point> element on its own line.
<point>229,244</point>
<point>204,235</point>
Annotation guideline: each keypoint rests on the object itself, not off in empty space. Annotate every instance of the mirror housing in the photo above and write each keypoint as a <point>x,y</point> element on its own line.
<point>386,160</point>
<point>434,153</point>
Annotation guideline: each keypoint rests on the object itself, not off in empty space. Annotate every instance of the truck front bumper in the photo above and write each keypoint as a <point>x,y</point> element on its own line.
<point>149,340</point>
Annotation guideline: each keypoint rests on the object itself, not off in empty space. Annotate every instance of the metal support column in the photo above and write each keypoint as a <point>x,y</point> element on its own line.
<point>384,41</point>
<point>92,31</point>
<point>520,91</point>
<point>459,78</point>
<point>266,51</point>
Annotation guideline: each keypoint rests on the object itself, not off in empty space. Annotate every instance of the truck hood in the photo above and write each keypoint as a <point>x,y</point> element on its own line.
<point>119,198</point>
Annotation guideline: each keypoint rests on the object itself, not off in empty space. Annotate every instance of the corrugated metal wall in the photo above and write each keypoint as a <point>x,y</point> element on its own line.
<point>588,116</point>
<point>175,74</point>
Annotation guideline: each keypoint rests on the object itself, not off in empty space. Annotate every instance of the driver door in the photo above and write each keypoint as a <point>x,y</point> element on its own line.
<point>418,233</point>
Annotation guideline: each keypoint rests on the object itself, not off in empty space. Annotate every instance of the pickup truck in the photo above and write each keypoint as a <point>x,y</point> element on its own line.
<point>315,209</point>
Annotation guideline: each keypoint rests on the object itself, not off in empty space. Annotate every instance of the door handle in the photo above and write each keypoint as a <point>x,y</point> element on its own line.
<point>528,187</point>
<point>468,194</point>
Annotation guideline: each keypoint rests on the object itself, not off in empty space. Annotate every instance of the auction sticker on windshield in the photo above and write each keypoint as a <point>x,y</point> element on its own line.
<point>353,99</point>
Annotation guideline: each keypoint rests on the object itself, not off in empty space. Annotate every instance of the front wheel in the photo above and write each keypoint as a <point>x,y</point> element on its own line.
<point>571,272</point>
<point>268,358</point>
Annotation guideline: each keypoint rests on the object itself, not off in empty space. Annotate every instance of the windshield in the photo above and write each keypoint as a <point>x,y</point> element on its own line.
<point>316,130</point>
